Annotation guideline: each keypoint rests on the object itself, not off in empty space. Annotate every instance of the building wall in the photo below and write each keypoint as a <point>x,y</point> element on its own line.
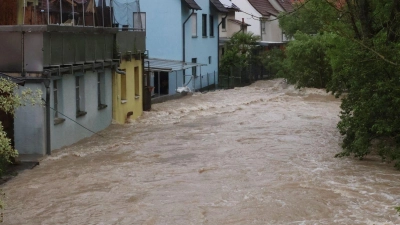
<point>273,31</point>
<point>164,36</point>
<point>245,6</point>
<point>231,28</point>
<point>163,28</point>
<point>175,81</point>
<point>133,103</point>
<point>201,47</point>
<point>29,125</point>
<point>68,132</point>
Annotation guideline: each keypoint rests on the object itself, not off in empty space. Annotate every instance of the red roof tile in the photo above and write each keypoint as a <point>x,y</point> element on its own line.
<point>287,5</point>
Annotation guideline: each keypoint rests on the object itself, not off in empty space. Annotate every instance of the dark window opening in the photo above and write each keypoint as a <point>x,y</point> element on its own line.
<point>194,69</point>
<point>204,21</point>
<point>223,24</point>
<point>211,26</point>
<point>161,83</point>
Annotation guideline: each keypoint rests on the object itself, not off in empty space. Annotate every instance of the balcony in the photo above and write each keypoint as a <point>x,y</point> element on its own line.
<point>31,48</point>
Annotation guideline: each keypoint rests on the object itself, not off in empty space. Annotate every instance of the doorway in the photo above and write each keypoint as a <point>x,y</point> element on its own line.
<point>161,83</point>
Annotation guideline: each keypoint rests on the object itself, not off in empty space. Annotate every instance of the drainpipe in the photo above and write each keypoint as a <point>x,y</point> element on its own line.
<point>261,33</point>
<point>46,83</point>
<point>226,15</point>
<point>184,42</point>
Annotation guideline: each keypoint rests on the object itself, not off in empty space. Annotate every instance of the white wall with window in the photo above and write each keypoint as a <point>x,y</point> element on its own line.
<point>194,24</point>
<point>94,87</point>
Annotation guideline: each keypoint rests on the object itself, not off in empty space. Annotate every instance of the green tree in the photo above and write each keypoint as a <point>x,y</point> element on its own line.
<point>306,63</point>
<point>9,102</point>
<point>362,41</point>
<point>239,52</point>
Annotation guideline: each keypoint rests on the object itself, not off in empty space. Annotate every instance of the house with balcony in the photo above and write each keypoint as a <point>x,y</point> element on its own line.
<point>182,44</point>
<point>262,16</point>
<point>65,49</point>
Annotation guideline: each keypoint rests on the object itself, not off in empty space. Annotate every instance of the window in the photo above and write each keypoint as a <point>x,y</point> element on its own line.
<point>80,96</point>
<point>222,51</point>
<point>194,69</point>
<point>139,21</point>
<point>194,25</point>
<point>211,26</point>
<point>57,100</point>
<point>204,25</point>
<point>209,59</point>
<point>123,88</point>
<point>223,24</point>
<point>137,82</point>
<point>101,95</point>
<point>263,27</point>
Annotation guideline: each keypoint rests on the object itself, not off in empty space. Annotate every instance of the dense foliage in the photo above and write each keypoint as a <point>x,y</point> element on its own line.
<point>9,102</point>
<point>239,52</point>
<point>356,44</point>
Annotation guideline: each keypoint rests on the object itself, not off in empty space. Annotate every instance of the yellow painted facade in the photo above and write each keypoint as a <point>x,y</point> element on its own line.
<point>127,91</point>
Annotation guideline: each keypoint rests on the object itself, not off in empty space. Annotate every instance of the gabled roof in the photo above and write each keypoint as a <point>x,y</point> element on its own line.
<point>229,5</point>
<point>264,7</point>
<point>287,5</point>
<point>192,4</point>
<point>218,5</point>
<point>239,22</point>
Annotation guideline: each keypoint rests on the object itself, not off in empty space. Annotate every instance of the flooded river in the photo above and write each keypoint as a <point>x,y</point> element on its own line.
<point>262,154</point>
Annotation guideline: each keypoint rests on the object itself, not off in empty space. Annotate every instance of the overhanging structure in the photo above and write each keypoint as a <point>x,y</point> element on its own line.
<point>166,65</point>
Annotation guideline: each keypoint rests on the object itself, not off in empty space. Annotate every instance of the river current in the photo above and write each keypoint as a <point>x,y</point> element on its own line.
<point>262,154</point>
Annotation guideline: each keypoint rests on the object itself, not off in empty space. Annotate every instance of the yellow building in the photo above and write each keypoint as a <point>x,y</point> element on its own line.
<point>127,90</point>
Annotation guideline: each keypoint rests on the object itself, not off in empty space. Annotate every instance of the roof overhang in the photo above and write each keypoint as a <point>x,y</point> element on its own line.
<point>218,5</point>
<point>191,4</point>
<point>238,22</point>
<point>167,65</point>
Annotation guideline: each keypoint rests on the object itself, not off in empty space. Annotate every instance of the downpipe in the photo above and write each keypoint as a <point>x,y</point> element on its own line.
<point>184,41</point>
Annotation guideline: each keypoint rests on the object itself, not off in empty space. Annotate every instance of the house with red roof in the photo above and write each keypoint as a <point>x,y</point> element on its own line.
<point>262,15</point>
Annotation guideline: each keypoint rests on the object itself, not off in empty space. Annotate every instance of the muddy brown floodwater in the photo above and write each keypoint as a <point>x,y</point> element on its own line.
<point>262,154</point>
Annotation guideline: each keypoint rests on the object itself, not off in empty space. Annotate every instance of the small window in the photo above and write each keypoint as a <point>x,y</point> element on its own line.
<point>101,95</point>
<point>209,59</point>
<point>139,21</point>
<point>57,101</point>
<point>204,25</point>
<point>194,24</point>
<point>223,24</point>
<point>194,69</point>
<point>222,51</point>
<point>137,82</point>
<point>123,87</point>
<point>263,27</point>
<point>211,26</point>
<point>80,96</point>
